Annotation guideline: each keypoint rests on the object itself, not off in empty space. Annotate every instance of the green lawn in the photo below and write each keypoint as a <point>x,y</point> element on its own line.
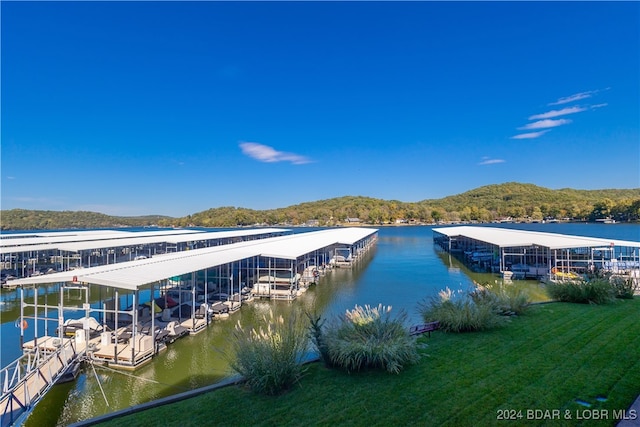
<point>543,360</point>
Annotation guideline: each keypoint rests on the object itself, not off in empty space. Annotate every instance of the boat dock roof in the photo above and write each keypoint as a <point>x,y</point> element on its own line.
<point>132,275</point>
<point>86,240</point>
<point>503,237</point>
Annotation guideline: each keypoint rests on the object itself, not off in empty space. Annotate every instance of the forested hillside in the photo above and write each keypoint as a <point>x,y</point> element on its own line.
<point>23,219</point>
<point>525,202</point>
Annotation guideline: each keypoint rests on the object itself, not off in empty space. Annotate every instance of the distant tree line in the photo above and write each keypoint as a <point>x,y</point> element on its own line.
<point>23,219</point>
<point>485,204</point>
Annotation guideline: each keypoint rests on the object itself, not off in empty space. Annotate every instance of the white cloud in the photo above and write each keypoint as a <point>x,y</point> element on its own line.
<point>556,113</point>
<point>574,97</point>
<point>530,135</point>
<point>577,97</point>
<point>488,161</point>
<point>543,124</point>
<point>267,154</point>
<point>599,105</point>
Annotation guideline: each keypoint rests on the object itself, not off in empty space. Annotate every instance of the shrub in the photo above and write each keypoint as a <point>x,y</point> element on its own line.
<point>317,338</point>
<point>594,291</point>
<point>366,338</point>
<point>269,358</point>
<point>461,312</point>
<point>508,300</point>
<point>624,288</point>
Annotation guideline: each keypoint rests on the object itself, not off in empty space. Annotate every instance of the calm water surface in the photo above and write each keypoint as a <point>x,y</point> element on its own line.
<point>403,269</point>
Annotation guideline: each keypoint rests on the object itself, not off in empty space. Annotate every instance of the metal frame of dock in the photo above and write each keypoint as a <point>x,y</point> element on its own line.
<point>528,254</point>
<point>159,273</point>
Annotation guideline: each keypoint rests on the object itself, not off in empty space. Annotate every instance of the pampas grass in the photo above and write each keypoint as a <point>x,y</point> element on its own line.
<point>369,338</point>
<point>269,357</point>
<point>459,312</point>
<point>508,300</point>
<point>595,291</point>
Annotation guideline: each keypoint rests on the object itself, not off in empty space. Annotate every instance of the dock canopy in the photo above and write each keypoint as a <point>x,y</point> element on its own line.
<point>504,238</point>
<point>132,275</point>
<point>87,240</point>
<point>529,254</point>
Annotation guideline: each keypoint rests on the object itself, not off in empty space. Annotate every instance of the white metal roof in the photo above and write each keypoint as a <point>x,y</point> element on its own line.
<point>133,274</point>
<point>10,235</point>
<point>209,235</point>
<point>27,239</point>
<point>85,240</point>
<point>24,244</point>
<point>135,240</point>
<point>301,245</point>
<point>504,237</point>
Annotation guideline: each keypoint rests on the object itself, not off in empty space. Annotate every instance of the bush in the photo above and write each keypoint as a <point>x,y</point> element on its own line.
<point>461,312</point>
<point>595,291</point>
<point>270,357</point>
<point>366,338</point>
<point>317,338</point>
<point>507,300</point>
<point>624,288</point>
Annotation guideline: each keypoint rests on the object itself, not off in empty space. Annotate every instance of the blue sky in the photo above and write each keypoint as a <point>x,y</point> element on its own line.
<point>172,108</point>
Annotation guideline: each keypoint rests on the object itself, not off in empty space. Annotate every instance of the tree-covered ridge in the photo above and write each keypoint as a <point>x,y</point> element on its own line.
<point>23,219</point>
<point>521,201</point>
<point>512,200</point>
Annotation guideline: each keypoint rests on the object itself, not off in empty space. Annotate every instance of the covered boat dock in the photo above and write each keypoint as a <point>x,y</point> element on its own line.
<point>126,331</point>
<point>521,254</point>
<point>25,255</point>
<point>201,283</point>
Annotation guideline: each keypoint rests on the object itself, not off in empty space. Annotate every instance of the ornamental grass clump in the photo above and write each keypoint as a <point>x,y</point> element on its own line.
<point>369,338</point>
<point>508,300</point>
<point>595,291</point>
<point>459,312</point>
<point>269,357</point>
<point>624,288</point>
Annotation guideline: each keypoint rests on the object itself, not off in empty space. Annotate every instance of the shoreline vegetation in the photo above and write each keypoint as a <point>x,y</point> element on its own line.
<point>519,371</point>
<point>508,202</point>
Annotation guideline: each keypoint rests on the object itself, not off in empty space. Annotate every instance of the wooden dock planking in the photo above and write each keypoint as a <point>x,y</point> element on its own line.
<point>38,380</point>
<point>120,355</point>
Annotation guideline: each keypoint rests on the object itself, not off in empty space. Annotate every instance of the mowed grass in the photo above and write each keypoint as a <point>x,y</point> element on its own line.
<point>544,360</point>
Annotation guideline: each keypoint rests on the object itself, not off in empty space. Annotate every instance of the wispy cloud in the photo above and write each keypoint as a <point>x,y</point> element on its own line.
<point>544,120</point>
<point>489,161</point>
<point>264,153</point>
<point>530,135</point>
<point>543,124</point>
<point>574,97</point>
<point>557,113</point>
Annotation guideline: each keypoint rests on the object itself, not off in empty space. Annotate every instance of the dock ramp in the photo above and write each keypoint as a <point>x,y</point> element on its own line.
<point>26,380</point>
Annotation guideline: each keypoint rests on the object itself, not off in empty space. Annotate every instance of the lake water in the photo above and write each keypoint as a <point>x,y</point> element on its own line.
<point>403,269</point>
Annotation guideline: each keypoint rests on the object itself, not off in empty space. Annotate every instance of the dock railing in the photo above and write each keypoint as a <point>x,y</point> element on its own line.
<point>28,378</point>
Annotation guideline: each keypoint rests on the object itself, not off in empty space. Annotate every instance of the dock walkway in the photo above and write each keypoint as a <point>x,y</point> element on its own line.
<point>26,380</point>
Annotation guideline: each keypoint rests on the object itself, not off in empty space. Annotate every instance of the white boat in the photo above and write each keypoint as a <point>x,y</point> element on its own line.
<point>606,221</point>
